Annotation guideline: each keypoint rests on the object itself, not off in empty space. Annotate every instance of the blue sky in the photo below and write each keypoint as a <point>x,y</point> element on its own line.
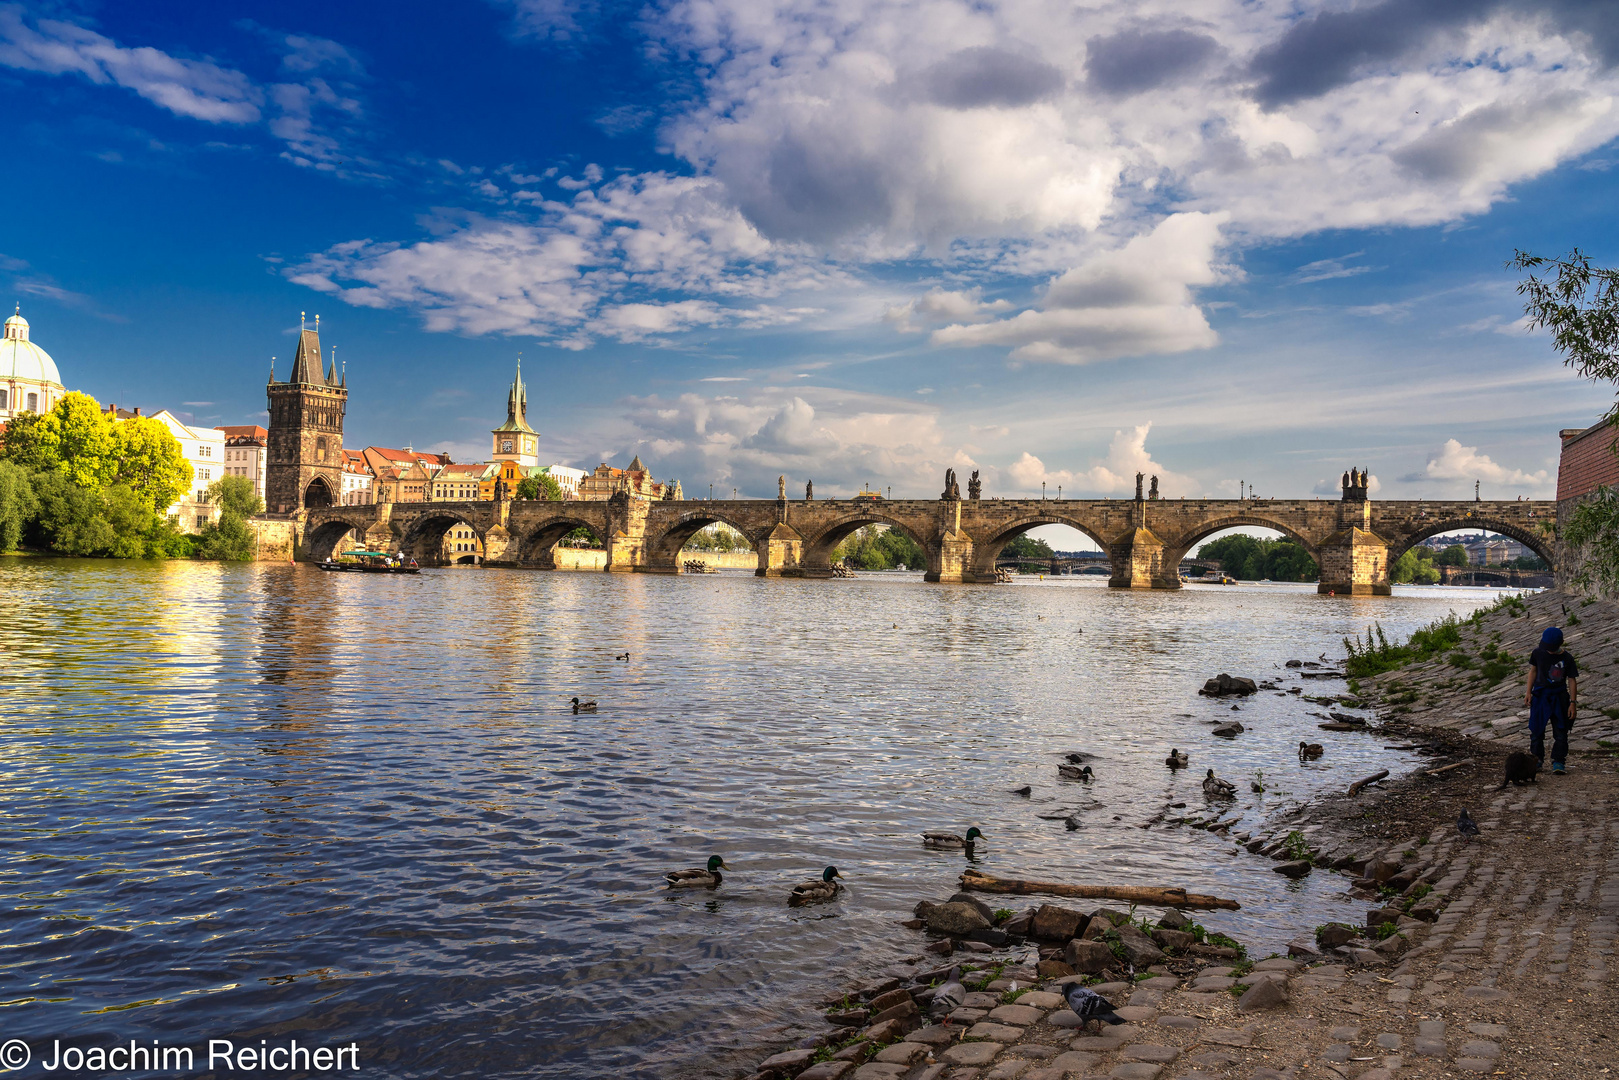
<point>856,243</point>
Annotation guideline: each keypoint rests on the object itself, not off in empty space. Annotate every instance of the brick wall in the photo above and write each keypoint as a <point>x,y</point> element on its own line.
<point>1587,462</point>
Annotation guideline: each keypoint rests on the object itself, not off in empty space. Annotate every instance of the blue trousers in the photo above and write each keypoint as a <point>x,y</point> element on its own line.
<point>1549,707</point>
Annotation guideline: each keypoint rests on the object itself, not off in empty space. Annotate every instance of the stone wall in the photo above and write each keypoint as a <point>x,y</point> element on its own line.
<point>1587,461</point>
<point>278,538</point>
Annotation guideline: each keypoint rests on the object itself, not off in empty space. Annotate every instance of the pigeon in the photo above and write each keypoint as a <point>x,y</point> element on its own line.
<point>948,997</point>
<point>1088,1005</point>
<point>1466,826</point>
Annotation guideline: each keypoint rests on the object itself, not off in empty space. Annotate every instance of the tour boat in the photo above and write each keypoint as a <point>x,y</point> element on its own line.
<point>370,562</point>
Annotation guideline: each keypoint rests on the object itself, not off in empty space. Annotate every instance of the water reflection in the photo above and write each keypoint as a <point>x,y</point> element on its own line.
<point>256,800</point>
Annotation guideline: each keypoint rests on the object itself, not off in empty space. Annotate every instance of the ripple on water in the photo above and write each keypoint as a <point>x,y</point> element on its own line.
<point>253,800</point>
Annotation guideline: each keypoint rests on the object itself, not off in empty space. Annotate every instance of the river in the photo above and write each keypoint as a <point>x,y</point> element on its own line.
<point>254,801</point>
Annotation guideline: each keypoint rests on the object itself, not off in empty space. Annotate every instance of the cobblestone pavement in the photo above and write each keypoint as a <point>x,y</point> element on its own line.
<point>1505,968</point>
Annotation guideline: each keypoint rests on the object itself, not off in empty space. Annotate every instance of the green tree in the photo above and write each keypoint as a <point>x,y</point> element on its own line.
<point>1579,303</point>
<point>149,459</point>
<point>234,495</point>
<point>1251,559</point>
<point>1592,533</point>
<point>24,443</point>
<point>544,486</point>
<point>18,504</point>
<point>1414,568</point>
<point>717,537</point>
<point>1024,546</point>
<point>1454,555</point>
<point>81,439</point>
<point>878,547</point>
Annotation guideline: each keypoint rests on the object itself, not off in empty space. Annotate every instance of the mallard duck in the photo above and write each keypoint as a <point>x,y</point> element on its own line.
<point>1310,751</point>
<point>697,878</point>
<point>583,706</point>
<point>623,656</point>
<point>816,892</point>
<point>1216,788</point>
<point>1178,759</point>
<point>951,840</point>
<point>1075,772</point>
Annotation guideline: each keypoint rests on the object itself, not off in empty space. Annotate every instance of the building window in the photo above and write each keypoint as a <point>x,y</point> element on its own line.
<point>2,399</point>
<point>33,402</point>
<point>205,451</point>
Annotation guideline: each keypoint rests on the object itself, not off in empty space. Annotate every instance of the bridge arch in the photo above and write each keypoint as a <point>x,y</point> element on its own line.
<point>537,547</point>
<point>818,548</point>
<point>663,550</point>
<point>1541,545</point>
<point>1177,549</point>
<point>422,537</point>
<point>322,540</point>
<point>987,551</point>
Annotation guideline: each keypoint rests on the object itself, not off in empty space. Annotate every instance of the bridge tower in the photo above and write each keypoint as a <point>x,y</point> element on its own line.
<point>305,466</point>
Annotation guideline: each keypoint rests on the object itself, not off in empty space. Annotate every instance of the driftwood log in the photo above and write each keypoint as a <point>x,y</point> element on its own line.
<point>1161,896</point>
<point>1442,770</point>
<point>1354,789</point>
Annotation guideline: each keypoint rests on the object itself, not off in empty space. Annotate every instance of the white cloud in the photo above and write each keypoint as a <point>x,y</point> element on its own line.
<point>199,89</point>
<point>1453,461</point>
<point>941,305</point>
<point>1114,475</point>
<point>1135,300</point>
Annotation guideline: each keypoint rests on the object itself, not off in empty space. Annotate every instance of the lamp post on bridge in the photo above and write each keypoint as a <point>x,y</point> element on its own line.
<point>1042,491</point>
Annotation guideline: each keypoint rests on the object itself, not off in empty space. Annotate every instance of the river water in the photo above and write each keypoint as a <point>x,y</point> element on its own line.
<point>257,801</point>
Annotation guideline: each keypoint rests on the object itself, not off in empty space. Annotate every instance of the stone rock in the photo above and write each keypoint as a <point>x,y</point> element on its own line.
<point>983,909</point>
<point>894,1028</point>
<point>881,986</point>
<point>955,919</point>
<point>971,1053</point>
<point>1172,939</point>
<point>1378,916</point>
<point>1138,947</point>
<point>1041,999</point>
<point>854,1052</point>
<point>827,1070</point>
<point>1020,924</point>
<point>1228,1037</point>
<point>905,1010</point>
<point>1089,957</point>
<point>1393,945</point>
<point>1223,685</point>
<point>1001,1033</point>
<point>1303,948</point>
<point>890,999</point>
<point>849,1017</point>
<point>1174,919</point>
<point>993,937</point>
<point>1484,993</point>
<point>1052,969</point>
<point>937,1035</point>
<point>1333,935</point>
<point>942,947</point>
<point>1020,1015</point>
<point>1228,731</point>
<point>1382,870</point>
<point>1294,868</point>
<point>902,1053</point>
<point>880,1070</point>
<point>1276,963</point>
<point>913,924</point>
<point>1136,1070</point>
<point>974,946</point>
<point>1053,922</point>
<point>787,1062</point>
<point>1163,1055</point>
<point>1269,994</point>
<point>1213,982</point>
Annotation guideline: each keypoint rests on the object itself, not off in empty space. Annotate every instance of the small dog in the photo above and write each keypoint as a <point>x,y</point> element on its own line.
<point>1521,769</point>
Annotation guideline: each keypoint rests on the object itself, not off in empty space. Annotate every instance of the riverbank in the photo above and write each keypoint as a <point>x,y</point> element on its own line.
<point>1494,953</point>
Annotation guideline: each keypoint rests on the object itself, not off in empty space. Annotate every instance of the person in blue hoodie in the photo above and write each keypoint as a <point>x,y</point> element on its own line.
<point>1553,696</point>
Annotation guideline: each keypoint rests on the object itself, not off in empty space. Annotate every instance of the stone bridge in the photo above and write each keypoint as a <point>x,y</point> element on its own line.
<point>1353,540</point>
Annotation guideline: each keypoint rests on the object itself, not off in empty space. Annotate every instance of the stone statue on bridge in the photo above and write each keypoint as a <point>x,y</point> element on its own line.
<point>1139,477</point>
<point>781,488</point>
<point>975,487</point>
<point>1153,494</point>
<point>500,489</point>
<point>809,491</point>
<point>952,490</point>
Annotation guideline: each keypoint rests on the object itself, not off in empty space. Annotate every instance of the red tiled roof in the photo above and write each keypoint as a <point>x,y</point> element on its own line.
<point>244,431</point>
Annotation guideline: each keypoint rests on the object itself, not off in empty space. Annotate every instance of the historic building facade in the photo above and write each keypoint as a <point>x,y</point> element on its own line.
<point>305,467</point>
<point>514,440</point>
<point>29,381</point>
<point>245,453</point>
<point>635,481</point>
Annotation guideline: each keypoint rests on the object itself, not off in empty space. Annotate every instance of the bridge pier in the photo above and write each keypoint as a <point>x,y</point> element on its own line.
<point>781,553</point>
<point>1139,562</point>
<point>1354,562</point>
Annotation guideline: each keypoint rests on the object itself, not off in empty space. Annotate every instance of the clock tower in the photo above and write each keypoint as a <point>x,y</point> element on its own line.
<point>514,440</point>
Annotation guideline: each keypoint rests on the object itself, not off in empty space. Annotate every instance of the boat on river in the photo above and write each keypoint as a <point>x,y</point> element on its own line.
<point>369,562</point>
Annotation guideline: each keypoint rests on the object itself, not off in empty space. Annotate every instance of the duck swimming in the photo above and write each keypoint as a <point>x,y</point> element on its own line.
<point>697,878</point>
<point>1075,772</point>
<point>816,892</point>
<point>1215,788</point>
<point>1310,751</point>
<point>1178,759</point>
<point>583,706</point>
<point>951,840</point>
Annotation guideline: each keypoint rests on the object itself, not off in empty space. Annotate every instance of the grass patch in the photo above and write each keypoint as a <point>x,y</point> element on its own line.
<point>1011,996</point>
<point>1386,931</point>
<point>1296,846</point>
<point>1417,894</point>
<point>1002,914</point>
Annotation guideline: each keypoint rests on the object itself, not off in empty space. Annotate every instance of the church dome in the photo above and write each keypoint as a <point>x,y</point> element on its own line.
<point>23,361</point>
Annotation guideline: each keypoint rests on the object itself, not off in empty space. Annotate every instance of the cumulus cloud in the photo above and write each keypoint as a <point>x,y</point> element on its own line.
<point>1135,300</point>
<point>1138,59</point>
<point>1114,475</point>
<point>1453,461</point>
<point>839,440</point>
